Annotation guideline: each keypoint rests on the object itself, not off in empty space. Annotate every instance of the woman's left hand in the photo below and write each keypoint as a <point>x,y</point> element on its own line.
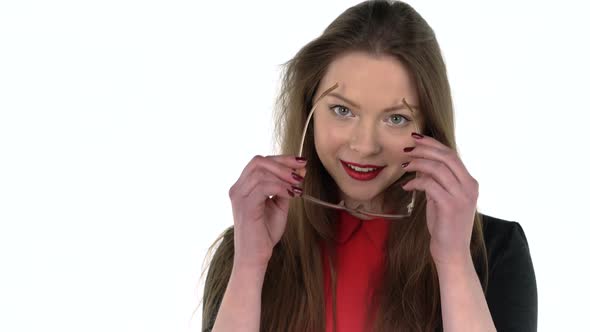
<point>451,194</point>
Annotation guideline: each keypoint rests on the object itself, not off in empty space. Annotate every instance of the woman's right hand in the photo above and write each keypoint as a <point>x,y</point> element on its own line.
<point>259,221</point>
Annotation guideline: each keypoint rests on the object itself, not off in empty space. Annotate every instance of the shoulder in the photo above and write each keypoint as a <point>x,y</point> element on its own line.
<point>500,234</point>
<point>502,237</point>
<point>496,229</point>
<point>511,290</point>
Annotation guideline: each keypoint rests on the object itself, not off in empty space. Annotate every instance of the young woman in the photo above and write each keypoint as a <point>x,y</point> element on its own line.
<point>382,120</point>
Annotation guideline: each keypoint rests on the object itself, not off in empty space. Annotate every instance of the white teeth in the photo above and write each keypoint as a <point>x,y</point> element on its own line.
<point>361,169</point>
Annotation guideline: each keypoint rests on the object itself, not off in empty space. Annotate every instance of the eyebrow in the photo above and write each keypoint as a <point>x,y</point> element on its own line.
<point>389,109</point>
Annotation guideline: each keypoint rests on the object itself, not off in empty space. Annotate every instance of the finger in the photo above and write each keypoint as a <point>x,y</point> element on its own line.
<point>430,148</point>
<point>261,175</point>
<point>282,203</point>
<point>301,172</point>
<point>427,184</point>
<point>289,160</point>
<point>281,166</point>
<point>285,160</point>
<point>438,171</point>
<point>266,188</point>
<point>275,191</point>
<point>280,199</point>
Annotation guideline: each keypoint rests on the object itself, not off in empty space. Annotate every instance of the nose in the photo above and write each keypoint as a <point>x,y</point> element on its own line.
<point>364,140</point>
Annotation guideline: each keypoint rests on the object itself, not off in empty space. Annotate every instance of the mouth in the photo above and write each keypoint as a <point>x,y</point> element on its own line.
<point>361,172</point>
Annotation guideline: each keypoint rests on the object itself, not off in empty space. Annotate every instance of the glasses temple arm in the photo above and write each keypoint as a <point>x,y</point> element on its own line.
<point>309,117</point>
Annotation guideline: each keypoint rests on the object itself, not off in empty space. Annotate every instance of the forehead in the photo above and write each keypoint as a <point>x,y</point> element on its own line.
<point>371,80</point>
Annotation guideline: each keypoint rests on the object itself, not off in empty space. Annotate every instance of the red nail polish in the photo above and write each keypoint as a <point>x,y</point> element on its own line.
<point>290,193</point>
<point>404,165</point>
<point>297,190</point>
<point>300,159</point>
<point>408,149</point>
<point>297,177</point>
<point>416,135</point>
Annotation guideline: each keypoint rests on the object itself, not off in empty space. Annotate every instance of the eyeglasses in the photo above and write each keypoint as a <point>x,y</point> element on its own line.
<point>407,209</point>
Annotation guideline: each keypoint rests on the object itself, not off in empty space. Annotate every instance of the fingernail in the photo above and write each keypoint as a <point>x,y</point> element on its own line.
<point>297,190</point>
<point>408,149</point>
<point>297,177</point>
<point>404,165</point>
<point>290,193</point>
<point>416,135</point>
<point>300,159</point>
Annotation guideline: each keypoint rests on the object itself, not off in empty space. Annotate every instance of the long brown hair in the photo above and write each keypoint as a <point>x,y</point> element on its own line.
<point>408,299</point>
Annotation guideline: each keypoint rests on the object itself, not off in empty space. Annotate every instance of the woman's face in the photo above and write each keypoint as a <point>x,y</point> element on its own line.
<point>351,125</point>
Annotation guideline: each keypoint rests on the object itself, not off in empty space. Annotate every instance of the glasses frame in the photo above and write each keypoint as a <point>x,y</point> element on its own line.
<point>341,206</point>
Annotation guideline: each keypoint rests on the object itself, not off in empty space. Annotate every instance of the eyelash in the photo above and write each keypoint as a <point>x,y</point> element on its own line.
<point>333,107</point>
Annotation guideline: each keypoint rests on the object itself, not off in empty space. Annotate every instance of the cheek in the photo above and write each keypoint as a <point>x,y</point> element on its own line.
<point>395,149</point>
<point>329,139</point>
<point>324,145</point>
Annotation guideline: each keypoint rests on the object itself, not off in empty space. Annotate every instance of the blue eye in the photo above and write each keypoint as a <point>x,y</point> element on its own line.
<point>398,119</point>
<point>339,113</point>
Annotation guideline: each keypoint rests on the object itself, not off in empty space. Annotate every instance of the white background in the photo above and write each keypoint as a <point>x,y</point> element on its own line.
<point>123,125</point>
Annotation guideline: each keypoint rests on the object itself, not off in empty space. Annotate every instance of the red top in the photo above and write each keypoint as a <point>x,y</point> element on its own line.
<point>359,264</point>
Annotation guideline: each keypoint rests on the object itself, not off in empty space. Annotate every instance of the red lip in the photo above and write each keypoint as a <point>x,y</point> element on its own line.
<point>361,165</point>
<point>361,176</point>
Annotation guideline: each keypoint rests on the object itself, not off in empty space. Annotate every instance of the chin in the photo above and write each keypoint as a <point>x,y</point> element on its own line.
<point>356,194</point>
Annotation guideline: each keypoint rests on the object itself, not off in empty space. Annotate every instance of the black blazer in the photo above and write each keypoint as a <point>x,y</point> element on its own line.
<point>512,288</point>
